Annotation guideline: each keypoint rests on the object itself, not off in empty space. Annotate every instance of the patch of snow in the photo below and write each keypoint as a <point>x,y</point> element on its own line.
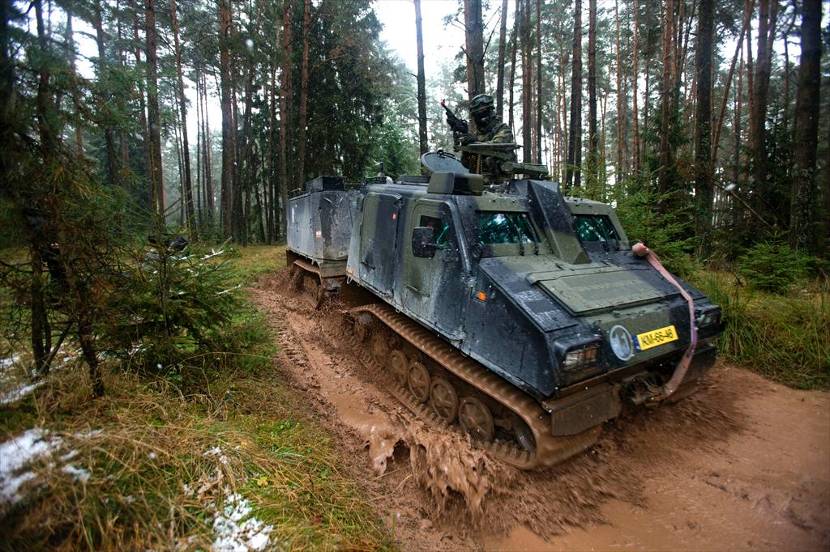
<point>18,393</point>
<point>8,362</point>
<point>217,452</point>
<point>213,253</point>
<point>69,455</point>
<point>224,291</point>
<point>78,474</point>
<point>16,454</point>
<point>236,530</point>
<point>152,455</point>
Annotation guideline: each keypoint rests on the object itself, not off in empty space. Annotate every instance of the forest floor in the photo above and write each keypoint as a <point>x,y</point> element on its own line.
<point>743,464</point>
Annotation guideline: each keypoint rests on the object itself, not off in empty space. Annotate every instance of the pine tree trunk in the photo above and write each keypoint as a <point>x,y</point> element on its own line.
<point>527,86</point>
<point>228,126</point>
<point>573,177</point>
<point>303,114</point>
<point>593,137</point>
<point>187,183</point>
<point>514,41</point>
<point>804,194</point>
<point>635,78</point>
<point>286,101</point>
<point>539,103</point>
<point>153,112</point>
<point>737,131</point>
<point>499,63</point>
<point>423,142</point>
<point>704,191</point>
<point>109,133</point>
<point>665,182</point>
<point>142,117</point>
<point>208,151</point>
<point>618,173</point>
<point>474,39</point>
<point>767,14</point>
<point>272,212</point>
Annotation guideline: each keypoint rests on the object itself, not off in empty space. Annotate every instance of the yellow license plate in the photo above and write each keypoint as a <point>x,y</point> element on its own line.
<point>657,337</point>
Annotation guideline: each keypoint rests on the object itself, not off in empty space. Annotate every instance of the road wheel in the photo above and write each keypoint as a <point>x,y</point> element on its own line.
<point>399,366</point>
<point>443,399</point>
<point>296,278</point>
<point>318,293</point>
<point>476,419</point>
<point>418,381</point>
<point>380,347</point>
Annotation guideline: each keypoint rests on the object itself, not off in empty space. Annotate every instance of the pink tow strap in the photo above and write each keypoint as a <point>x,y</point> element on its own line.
<point>640,250</point>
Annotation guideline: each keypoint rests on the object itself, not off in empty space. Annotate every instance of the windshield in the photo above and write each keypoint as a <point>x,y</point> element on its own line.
<point>595,228</point>
<point>498,228</point>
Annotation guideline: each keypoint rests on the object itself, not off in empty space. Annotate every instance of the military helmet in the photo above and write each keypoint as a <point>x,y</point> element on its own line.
<point>480,103</point>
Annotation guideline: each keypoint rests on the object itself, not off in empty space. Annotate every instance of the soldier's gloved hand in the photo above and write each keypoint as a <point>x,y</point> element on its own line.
<point>467,139</point>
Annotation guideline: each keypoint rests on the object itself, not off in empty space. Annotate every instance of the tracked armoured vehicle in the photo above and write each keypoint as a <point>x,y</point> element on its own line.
<point>519,315</point>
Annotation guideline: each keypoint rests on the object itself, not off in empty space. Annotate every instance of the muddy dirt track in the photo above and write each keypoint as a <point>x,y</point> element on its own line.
<point>743,464</point>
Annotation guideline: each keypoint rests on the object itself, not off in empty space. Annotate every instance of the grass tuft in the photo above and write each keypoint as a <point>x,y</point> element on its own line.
<point>785,338</point>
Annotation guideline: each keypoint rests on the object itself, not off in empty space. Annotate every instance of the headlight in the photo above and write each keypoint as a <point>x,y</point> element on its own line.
<point>707,318</point>
<point>581,358</point>
<point>621,343</point>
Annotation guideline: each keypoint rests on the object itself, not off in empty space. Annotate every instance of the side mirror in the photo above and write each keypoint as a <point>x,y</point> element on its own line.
<point>422,242</point>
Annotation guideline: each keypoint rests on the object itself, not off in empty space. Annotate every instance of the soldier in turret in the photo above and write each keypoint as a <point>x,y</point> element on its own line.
<point>488,130</point>
<point>488,127</point>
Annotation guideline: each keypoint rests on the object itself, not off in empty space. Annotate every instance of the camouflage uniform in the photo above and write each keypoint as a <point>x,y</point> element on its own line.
<point>489,129</point>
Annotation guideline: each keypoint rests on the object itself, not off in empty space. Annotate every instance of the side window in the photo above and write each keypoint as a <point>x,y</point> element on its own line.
<point>595,228</point>
<point>441,229</point>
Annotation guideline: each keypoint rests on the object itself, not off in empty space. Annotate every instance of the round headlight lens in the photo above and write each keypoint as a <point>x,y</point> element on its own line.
<point>621,343</point>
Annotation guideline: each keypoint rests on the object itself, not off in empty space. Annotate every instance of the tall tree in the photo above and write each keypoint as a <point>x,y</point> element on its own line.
<point>303,112</point>
<point>539,80</point>
<point>102,74</point>
<point>618,169</point>
<point>666,179</point>
<point>514,43</point>
<point>474,39</point>
<point>423,144</point>
<point>767,17</point>
<point>572,174</point>
<point>499,63</point>
<point>635,79</point>
<point>153,111</point>
<point>703,118</point>
<point>804,195</point>
<point>228,122</point>
<point>527,85</point>
<point>187,184</point>
<point>286,101</point>
<point>593,137</point>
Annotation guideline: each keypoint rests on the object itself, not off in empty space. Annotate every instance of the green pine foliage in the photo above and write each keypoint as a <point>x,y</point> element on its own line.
<point>772,267</point>
<point>670,236</point>
<point>180,313</point>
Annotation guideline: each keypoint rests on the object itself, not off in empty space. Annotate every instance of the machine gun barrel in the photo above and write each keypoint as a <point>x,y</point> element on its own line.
<point>456,124</point>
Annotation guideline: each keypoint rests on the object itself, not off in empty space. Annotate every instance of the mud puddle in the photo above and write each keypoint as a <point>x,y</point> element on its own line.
<point>711,472</point>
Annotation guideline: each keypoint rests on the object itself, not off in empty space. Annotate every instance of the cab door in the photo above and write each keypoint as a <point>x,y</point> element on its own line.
<point>434,288</point>
<point>378,241</point>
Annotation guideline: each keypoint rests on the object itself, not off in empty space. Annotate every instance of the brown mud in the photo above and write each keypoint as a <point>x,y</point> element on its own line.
<point>744,463</point>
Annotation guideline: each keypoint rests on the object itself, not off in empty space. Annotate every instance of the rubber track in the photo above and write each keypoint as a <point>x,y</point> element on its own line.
<point>549,450</point>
